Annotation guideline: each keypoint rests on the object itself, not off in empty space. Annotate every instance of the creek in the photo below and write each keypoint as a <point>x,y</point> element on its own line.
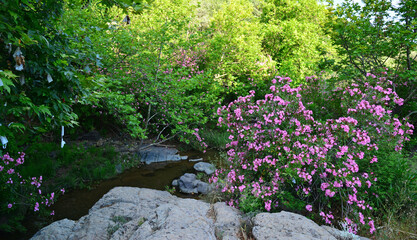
<point>75,203</point>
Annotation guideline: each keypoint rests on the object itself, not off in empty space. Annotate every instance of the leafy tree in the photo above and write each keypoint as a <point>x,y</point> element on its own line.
<point>127,5</point>
<point>295,36</point>
<point>376,35</point>
<point>235,46</point>
<point>151,77</point>
<point>38,76</point>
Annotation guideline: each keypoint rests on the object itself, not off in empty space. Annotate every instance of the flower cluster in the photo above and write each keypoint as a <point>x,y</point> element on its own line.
<point>18,192</point>
<point>279,152</point>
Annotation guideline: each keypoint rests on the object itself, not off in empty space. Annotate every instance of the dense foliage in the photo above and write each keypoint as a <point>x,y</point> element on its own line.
<point>281,157</point>
<point>295,36</point>
<point>376,35</point>
<point>38,70</point>
<point>329,146</point>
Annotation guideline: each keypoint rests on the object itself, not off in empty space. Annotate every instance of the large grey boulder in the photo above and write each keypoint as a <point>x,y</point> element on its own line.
<point>228,221</point>
<point>205,167</point>
<point>138,213</point>
<point>127,213</point>
<point>56,231</point>
<point>287,226</point>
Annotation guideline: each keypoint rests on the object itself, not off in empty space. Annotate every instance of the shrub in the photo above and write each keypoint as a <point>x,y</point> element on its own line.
<point>281,157</point>
<point>19,195</point>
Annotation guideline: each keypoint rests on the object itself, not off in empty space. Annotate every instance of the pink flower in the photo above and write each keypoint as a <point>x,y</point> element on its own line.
<point>329,193</point>
<point>361,218</point>
<point>309,208</point>
<point>36,207</point>
<point>371,224</point>
<point>268,205</point>
<point>324,186</point>
<point>399,101</point>
<point>9,205</point>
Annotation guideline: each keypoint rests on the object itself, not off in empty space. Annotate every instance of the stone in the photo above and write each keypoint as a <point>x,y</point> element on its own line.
<point>287,226</point>
<point>333,231</point>
<point>188,183</point>
<point>228,221</point>
<point>196,160</point>
<point>175,183</point>
<point>139,213</point>
<point>202,187</point>
<point>342,235</point>
<point>154,154</point>
<point>118,168</point>
<point>128,213</point>
<point>55,231</point>
<point>205,167</point>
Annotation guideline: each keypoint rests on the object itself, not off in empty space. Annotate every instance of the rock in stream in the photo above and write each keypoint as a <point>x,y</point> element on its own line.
<point>154,154</point>
<point>208,168</point>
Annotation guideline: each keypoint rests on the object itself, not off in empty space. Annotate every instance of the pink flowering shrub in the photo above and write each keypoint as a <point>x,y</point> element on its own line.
<point>281,157</point>
<point>394,171</point>
<point>18,194</point>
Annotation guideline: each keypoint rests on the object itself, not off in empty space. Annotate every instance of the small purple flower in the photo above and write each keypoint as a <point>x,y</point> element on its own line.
<point>36,207</point>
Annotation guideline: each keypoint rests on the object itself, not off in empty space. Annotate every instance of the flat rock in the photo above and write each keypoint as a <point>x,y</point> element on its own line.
<point>196,160</point>
<point>287,226</point>
<point>205,167</point>
<point>156,154</point>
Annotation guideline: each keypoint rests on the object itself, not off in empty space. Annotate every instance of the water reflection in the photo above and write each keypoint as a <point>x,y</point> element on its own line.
<point>75,203</point>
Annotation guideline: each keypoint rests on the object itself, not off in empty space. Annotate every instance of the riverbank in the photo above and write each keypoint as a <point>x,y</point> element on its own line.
<point>89,168</point>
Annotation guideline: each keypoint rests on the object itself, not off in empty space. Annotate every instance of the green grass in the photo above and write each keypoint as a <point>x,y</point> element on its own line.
<point>398,219</point>
<point>214,138</point>
<point>74,166</point>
